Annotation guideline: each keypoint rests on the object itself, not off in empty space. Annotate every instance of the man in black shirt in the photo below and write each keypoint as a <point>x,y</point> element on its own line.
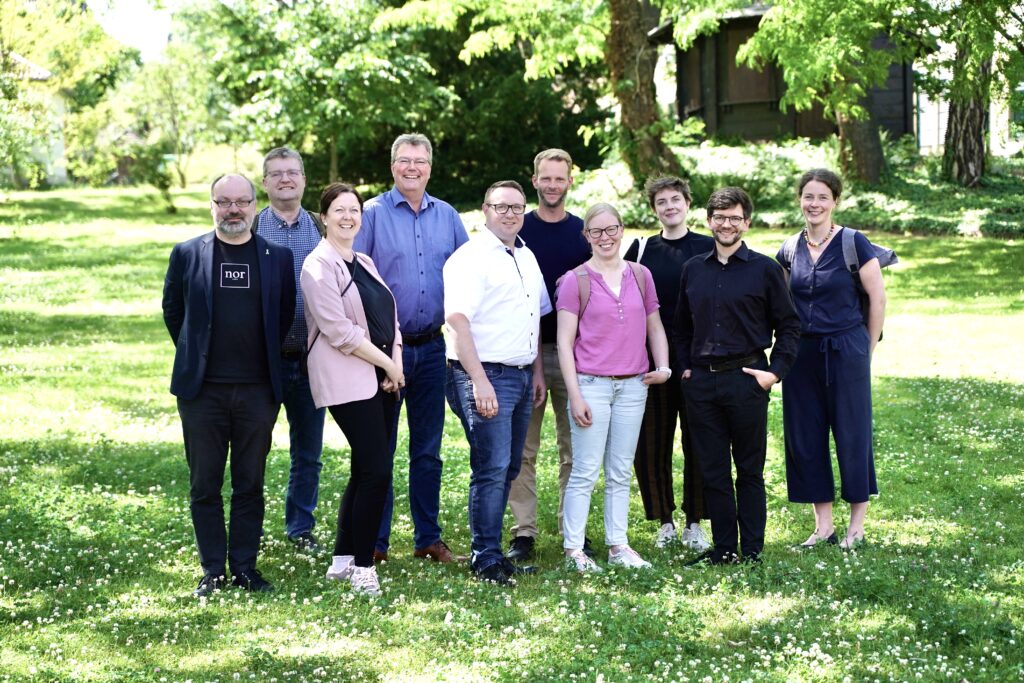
<point>229,300</point>
<point>731,301</point>
<point>664,255</point>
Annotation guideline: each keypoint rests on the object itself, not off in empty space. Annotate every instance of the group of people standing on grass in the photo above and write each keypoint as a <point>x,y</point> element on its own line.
<point>359,309</point>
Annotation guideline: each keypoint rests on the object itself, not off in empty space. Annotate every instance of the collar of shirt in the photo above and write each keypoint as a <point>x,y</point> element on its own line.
<point>743,253</point>
<point>489,239</point>
<point>397,199</point>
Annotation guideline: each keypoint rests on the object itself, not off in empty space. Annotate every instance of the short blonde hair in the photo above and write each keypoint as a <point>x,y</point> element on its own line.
<point>596,210</point>
<point>553,154</point>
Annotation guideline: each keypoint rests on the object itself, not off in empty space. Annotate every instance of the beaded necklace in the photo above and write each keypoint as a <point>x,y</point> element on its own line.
<point>807,237</point>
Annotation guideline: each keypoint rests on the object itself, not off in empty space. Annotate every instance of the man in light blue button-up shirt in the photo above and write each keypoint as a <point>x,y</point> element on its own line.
<point>409,235</point>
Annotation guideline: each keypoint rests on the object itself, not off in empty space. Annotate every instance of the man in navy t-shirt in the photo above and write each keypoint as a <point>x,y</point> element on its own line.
<point>228,302</point>
<point>555,236</point>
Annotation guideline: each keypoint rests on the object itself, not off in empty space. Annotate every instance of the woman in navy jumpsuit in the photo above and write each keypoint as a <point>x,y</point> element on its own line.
<point>829,386</point>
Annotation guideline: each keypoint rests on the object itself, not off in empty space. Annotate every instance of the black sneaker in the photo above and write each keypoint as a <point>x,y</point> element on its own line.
<point>208,584</point>
<point>520,549</point>
<point>514,569</point>
<point>588,549</point>
<point>495,573</point>
<point>305,541</point>
<point>713,557</point>
<point>251,580</point>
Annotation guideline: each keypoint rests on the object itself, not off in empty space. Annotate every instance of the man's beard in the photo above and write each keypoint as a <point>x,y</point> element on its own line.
<point>232,226</point>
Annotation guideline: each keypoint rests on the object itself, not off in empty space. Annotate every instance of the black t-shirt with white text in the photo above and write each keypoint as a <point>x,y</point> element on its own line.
<point>238,351</point>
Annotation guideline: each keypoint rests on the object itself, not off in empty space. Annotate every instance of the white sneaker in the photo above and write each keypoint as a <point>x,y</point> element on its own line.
<point>693,537</point>
<point>364,580</point>
<point>666,535</point>
<point>341,568</point>
<point>627,557</point>
<point>578,561</point>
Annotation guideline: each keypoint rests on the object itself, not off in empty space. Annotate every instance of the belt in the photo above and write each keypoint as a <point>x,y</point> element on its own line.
<point>733,364</point>
<point>420,339</point>
<point>291,355</point>
<point>452,363</point>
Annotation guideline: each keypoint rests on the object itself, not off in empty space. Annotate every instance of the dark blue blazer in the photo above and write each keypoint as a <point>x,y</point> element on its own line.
<point>188,308</point>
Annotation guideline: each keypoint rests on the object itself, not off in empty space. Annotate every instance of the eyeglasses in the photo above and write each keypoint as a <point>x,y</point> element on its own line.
<point>517,209</point>
<point>291,173</point>
<point>734,221</point>
<point>225,204</point>
<point>406,161</point>
<point>611,231</point>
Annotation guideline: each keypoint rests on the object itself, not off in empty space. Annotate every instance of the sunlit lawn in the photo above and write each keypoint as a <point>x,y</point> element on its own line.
<point>97,559</point>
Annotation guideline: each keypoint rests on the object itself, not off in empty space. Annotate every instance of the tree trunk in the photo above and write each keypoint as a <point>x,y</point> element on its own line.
<point>963,156</point>
<point>333,172</point>
<point>631,61</point>
<point>860,149</point>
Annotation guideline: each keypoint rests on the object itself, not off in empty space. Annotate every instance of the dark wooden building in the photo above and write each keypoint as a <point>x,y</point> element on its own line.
<point>736,101</point>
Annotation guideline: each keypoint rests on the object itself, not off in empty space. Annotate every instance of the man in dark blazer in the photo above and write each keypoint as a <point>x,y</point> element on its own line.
<point>229,300</point>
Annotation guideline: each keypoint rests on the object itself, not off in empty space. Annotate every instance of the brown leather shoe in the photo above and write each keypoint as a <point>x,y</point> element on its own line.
<point>379,556</point>
<point>438,552</point>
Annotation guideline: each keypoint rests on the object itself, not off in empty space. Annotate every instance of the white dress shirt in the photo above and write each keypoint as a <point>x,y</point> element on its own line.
<point>501,292</point>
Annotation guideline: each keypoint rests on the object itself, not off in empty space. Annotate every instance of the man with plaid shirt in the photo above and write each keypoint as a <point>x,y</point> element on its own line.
<point>285,222</point>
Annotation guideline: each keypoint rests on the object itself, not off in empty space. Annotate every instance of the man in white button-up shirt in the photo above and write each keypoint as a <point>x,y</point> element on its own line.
<point>494,296</point>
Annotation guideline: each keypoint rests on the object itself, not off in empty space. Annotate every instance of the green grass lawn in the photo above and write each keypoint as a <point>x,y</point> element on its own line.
<point>97,558</point>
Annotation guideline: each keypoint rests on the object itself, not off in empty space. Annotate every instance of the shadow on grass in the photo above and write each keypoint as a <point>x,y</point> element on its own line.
<point>83,206</point>
<point>38,255</point>
<point>24,329</point>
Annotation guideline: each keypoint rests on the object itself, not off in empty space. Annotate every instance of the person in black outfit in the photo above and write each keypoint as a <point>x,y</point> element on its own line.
<point>731,301</point>
<point>228,302</point>
<point>664,255</point>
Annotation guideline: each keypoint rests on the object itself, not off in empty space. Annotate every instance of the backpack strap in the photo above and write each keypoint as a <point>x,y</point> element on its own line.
<point>583,284</point>
<point>641,244</point>
<point>789,250</point>
<point>850,252</point>
<point>321,228</point>
<point>583,287</point>
<point>641,279</point>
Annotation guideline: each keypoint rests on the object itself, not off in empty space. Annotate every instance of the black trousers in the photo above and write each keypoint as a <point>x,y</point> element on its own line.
<point>730,413</point>
<point>240,417</point>
<point>366,425</point>
<point>653,462</point>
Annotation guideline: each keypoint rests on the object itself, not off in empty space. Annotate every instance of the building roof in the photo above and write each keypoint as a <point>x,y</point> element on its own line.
<point>662,34</point>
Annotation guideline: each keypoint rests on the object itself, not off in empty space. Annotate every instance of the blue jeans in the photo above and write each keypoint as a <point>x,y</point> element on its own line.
<point>306,439</point>
<point>617,408</point>
<point>495,450</point>
<point>424,367</point>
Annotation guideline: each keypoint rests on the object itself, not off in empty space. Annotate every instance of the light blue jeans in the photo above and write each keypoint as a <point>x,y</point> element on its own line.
<point>617,407</point>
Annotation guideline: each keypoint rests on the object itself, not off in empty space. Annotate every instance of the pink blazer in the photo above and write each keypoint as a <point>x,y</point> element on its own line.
<point>337,326</point>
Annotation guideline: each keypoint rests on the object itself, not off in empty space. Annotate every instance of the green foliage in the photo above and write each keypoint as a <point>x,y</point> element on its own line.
<point>98,557</point>
<point>25,124</point>
<point>550,35</point>
<point>175,100</point>
<point>339,85</point>
<point>149,165</point>
<point>314,75</point>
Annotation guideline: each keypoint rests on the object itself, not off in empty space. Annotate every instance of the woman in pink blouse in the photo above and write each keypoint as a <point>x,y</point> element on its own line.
<point>355,368</point>
<point>607,315</point>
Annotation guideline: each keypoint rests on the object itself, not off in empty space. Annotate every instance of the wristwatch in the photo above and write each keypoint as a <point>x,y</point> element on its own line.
<point>668,370</point>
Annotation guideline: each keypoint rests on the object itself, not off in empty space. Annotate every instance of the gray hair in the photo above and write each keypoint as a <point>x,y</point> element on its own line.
<point>414,139</point>
<point>283,153</point>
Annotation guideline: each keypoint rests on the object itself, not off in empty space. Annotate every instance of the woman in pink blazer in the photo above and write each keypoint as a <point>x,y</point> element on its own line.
<point>355,369</point>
